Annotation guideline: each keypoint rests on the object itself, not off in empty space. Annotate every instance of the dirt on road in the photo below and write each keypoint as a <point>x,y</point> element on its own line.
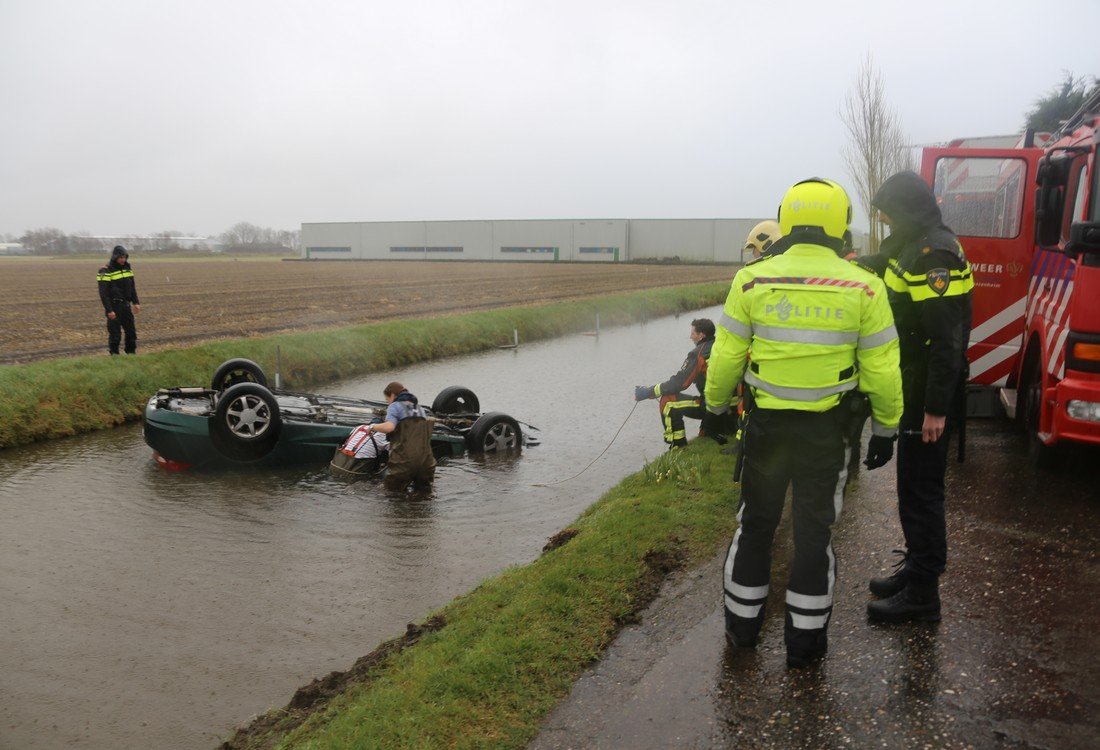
<point>53,306</point>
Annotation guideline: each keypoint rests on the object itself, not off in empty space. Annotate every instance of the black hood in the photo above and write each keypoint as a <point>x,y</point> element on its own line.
<point>117,253</point>
<point>909,202</point>
<point>406,396</point>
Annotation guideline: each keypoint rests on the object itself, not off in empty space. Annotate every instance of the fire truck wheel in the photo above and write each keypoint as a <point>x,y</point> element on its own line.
<point>1044,456</point>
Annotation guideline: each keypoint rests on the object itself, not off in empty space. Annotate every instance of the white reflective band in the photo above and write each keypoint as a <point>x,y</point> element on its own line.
<point>718,409</point>
<point>809,622</point>
<point>747,592</point>
<point>797,394</point>
<point>743,610</point>
<point>882,430</point>
<point>804,601</point>
<point>885,336</point>
<point>806,335</point>
<point>736,327</point>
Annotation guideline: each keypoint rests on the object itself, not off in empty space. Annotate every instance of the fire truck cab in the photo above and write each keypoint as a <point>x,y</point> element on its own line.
<point>1027,211</point>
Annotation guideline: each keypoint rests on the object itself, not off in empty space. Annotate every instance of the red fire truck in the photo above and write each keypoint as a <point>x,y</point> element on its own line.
<point>1027,211</point>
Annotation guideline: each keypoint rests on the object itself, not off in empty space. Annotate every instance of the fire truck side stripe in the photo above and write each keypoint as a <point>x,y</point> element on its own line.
<point>998,321</point>
<point>991,359</point>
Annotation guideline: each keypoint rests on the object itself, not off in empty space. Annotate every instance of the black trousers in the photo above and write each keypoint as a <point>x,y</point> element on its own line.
<point>808,452</point>
<point>124,321</point>
<point>921,470</point>
<point>674,407</point>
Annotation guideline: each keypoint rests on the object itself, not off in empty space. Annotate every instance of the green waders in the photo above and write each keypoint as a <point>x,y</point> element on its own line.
<point>411,458</point>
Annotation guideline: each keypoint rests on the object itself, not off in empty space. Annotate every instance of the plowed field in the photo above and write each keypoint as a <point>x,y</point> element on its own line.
<point>52,306</point>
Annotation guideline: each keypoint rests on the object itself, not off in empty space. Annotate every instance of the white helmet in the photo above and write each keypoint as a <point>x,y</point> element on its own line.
<point>762,236</point>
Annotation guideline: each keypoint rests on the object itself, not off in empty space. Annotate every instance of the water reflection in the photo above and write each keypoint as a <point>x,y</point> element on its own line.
<point>163,608</point>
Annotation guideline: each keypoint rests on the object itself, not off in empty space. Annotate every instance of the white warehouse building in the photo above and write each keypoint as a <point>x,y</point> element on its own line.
<point>591,240</point>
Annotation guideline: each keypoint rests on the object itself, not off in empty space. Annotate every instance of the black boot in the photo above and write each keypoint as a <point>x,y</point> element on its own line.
<point>742,633</point>
<point>887,586</point>
<point>918,601</point>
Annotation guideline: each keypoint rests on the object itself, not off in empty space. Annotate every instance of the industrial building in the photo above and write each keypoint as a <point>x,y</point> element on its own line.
<point>591,240</point>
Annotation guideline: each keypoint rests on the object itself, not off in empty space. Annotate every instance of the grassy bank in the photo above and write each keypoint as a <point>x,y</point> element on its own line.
<point>486,669</point>
<point>63,397</point>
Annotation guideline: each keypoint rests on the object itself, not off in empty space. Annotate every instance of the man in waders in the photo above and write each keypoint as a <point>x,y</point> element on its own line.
<point>410,435</point>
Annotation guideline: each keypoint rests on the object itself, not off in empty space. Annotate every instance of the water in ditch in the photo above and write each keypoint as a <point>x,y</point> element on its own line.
<point>144,608</point>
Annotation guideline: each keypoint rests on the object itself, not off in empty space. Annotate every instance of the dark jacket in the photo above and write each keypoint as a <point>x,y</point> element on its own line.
<point>929,283</point>
<point>116,282</point>
<point>694,370</point>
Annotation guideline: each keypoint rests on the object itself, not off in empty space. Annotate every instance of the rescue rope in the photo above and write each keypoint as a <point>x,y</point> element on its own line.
<point>597,458</point>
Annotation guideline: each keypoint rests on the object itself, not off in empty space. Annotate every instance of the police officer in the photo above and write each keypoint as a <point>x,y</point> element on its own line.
<point>930,283</point>
<point>818,328</point>
<point>674,404</point>
<point>120,300</point>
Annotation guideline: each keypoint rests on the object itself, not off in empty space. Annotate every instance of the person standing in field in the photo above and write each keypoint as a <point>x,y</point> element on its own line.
<point>410,435</point>
<point>119,296</point>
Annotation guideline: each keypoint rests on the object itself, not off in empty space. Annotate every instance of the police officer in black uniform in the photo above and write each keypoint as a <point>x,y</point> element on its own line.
<point>120,300</point>
<point>929,283</point>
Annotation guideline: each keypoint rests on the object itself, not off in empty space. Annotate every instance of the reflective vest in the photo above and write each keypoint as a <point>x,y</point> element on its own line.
<point>817,326</point>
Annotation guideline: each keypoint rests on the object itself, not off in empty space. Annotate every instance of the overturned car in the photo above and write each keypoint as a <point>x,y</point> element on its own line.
<point>239,419</point>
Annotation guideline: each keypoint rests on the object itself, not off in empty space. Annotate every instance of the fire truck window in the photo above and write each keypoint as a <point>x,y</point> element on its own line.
<point>1079,185</point>
<point>981,197</point>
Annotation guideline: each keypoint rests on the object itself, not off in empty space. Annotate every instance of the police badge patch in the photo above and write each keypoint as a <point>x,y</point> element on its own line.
<point>938,280</point>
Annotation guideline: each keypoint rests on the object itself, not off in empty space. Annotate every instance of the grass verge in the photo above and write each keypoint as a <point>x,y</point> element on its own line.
<point>63,397</point>
<point>486,669</point>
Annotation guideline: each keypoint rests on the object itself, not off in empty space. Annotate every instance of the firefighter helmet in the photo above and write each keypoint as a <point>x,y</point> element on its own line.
<point>761,237</point>
<point>816,203</point>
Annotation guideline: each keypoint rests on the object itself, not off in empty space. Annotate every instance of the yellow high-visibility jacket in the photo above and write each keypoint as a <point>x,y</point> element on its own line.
<point>817,326</point>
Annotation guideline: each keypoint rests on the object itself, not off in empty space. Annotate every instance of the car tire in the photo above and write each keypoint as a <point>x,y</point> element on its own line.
<point>234,371</point>
<point>246,422</point>
<point>456,400</point>
<point>494,432</point>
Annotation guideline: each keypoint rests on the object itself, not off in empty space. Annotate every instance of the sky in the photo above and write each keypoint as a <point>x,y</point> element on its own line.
<point>127,117</point>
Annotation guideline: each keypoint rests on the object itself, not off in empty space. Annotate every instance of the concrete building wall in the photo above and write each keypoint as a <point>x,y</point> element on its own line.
<point>590,240</point>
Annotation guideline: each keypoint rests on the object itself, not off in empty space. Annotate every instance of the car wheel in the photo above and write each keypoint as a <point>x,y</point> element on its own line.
<point>456,400</point>
<point>235,371</point>
<point>246,422</point>
<point>1045,456</point>
<point>494,433</point>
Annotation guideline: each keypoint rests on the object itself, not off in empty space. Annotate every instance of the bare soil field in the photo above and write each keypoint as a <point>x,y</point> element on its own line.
<point>52,305</point>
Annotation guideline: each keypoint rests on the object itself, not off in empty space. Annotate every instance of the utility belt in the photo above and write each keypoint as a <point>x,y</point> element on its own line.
<point>117,301</point>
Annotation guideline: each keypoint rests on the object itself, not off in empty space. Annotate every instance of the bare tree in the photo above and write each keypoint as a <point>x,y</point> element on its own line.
<point>877,147</point>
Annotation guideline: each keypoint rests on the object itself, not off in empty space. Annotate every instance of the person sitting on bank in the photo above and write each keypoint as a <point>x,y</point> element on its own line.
<point>675,405</point>
<point>410,435</point>
<point>365,453</point>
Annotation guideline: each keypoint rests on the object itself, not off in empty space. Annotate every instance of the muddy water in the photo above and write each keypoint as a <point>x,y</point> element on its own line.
<point>143,608</point>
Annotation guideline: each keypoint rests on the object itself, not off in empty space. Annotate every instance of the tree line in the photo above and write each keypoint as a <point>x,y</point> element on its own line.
<point>241,237</point>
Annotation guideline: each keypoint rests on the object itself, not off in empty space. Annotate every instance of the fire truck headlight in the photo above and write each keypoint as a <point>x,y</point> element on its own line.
<point>1086,411</point>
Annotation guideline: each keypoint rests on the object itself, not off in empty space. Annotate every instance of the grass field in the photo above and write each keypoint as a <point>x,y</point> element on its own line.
<point>53,307</point>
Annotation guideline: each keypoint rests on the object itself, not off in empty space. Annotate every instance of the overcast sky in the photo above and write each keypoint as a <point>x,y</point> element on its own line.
<point>133,117</point>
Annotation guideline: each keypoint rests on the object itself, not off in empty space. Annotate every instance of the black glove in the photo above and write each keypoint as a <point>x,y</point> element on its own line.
<point>642,392</point>
<point>879,451</point>
<point>712,426</point>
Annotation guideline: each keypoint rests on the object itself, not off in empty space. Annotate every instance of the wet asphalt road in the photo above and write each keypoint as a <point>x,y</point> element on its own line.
<point>1013,664</point>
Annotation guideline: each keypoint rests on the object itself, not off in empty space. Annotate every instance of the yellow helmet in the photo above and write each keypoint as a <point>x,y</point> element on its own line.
<point>761,237</point>
<point>816,203</point>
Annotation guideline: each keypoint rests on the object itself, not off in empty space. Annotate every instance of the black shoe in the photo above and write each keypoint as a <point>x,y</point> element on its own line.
<point>889,585</point>
<point>918,601</point>
<point>740,641</point>
<point>803,659</point>
<point>741,633</point>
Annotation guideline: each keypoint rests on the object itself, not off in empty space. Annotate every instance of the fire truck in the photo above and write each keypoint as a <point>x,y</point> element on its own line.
<point>1027,211</point>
